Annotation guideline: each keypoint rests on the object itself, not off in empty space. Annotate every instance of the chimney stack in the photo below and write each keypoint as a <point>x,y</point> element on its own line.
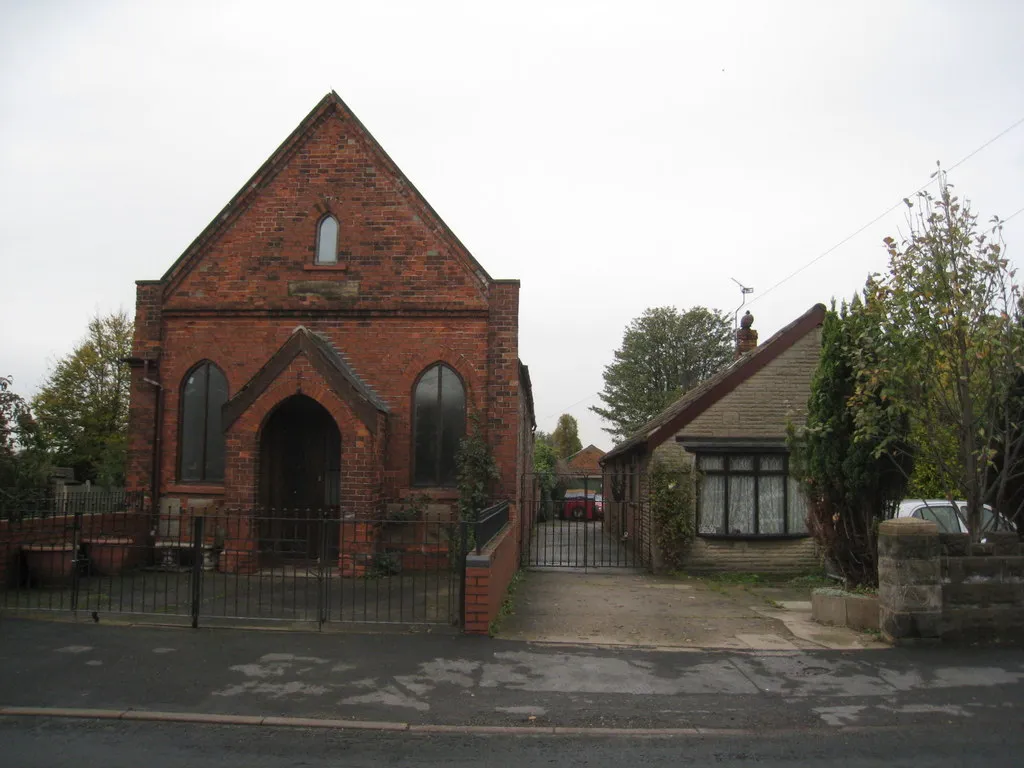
<point>746,337</point>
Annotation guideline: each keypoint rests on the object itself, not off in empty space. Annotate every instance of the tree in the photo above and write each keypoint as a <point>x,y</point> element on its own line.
<point>23,464</point>
<point>11,407</point>
<point>82,408</point>
<point>566,437</point>
<point>544,460</point>
<point>851,484</point>
<point>664,353</point>
<point>952,352</point>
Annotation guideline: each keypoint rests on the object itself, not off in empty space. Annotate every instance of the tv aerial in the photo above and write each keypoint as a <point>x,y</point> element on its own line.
<point>745,290</point>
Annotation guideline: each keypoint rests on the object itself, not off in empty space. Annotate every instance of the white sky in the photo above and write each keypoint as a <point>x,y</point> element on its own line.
<point>612,156</point>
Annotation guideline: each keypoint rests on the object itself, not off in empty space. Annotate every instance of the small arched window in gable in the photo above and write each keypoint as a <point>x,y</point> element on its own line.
<point>439,423</point>
<point>201,435</point>
<point>327,241</point>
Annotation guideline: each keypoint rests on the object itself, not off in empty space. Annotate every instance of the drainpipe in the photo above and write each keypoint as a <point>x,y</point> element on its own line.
<point>157,431</point>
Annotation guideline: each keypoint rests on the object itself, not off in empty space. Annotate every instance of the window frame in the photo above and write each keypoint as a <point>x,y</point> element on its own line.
<point>920,511</point>
<point>757,454</point>
<point>435,479</point>
<point>319,236</point>
<point>203,480</point>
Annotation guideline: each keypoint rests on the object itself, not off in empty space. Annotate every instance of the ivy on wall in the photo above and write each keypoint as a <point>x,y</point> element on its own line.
<point>673,510</point>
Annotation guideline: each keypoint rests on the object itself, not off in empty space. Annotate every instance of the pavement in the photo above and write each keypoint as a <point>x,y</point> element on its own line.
<point>445,683</point>
<point>622,608</point>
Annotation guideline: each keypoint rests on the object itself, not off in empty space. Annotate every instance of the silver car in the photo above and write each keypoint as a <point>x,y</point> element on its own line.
<point>952,518</point>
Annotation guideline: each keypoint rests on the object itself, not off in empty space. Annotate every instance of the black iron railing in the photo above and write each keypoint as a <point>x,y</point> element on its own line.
<point>18,505</point>
<point>207,564</point>
<point>489,523</point>
<point>586,521</point>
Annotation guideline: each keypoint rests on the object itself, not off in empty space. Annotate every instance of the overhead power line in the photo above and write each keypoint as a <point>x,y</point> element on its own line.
<point>887,211</point>
<point>567,408</point>
<point>1019,210</point>
<point>848,238</point>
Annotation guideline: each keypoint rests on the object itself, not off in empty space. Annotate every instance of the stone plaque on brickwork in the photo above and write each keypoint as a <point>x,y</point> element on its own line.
<point>328,289</point>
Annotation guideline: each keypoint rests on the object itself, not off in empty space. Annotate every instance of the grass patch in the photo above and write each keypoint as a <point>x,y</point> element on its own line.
<point>837,591</point>
<point>506,609</point>
<point>811,580</point>
<point>726,579</point>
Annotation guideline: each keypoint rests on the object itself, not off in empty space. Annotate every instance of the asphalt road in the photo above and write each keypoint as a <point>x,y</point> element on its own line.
<point>463,681</point>
<point>28,743</point>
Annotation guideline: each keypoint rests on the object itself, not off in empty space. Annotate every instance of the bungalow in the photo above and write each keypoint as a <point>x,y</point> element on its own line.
<point>730,434</point>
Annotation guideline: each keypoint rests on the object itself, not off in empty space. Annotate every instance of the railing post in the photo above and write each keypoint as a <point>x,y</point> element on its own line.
<point>197,567</point>
<point>586,519</point>
<point>463,551</point>
<point>76,541</point>
<point>323,582</point>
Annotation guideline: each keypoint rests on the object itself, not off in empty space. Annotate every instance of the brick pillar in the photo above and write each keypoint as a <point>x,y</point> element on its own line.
<point>746,337</point>
<point>503,385</point>
<point>358,545</point>
<point>143,395</point>
<point>241,535</point>
<point>478,595</point>
<point>909,581</point>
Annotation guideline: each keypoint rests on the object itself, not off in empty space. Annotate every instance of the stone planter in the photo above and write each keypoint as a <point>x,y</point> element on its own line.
<point>110,555</point>
<point>49,564</point>
<point>844,609</point>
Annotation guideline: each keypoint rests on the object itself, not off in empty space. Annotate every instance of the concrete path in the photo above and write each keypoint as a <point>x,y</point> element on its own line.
<point>640,609</point>
<point>427,683</point>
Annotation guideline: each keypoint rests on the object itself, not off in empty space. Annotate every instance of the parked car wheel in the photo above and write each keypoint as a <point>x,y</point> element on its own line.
<point>578,513</point>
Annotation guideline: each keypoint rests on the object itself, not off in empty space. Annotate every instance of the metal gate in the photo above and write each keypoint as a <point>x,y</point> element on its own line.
<point>200,566</point>
<point>576,522</point>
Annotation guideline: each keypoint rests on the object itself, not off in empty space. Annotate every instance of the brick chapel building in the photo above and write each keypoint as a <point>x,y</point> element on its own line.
<point>323,344</point>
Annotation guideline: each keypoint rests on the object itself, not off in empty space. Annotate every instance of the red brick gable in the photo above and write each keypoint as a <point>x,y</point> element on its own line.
<point>325,360</point>
<point>354,338</point>
<point>586,461</point>
<point>394,251</point>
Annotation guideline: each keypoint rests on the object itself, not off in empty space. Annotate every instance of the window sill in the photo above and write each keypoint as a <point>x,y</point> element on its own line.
<point>752,536</point>
<point>325,267</point>
<point>196,489</point>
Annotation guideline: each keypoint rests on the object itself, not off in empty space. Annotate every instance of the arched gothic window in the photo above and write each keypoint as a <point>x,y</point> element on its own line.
<point>327,241</point>
<point>201,435</point>
<point>439,423</point>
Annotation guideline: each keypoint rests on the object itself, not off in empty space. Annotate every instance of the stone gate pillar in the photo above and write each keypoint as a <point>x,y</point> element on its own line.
<point>909,581</point>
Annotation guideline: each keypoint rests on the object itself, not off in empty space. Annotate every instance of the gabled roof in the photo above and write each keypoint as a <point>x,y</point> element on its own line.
<point>707,393</point>
<point>586,457</point>
<point>269,170</point>
<point>581,451</point>
<point>331,364</point>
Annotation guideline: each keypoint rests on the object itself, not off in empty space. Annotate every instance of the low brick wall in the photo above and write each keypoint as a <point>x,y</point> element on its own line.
<point>934,587</point>
<point>752,556</point>
<point>57,529</point>
<point>487,578</point>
